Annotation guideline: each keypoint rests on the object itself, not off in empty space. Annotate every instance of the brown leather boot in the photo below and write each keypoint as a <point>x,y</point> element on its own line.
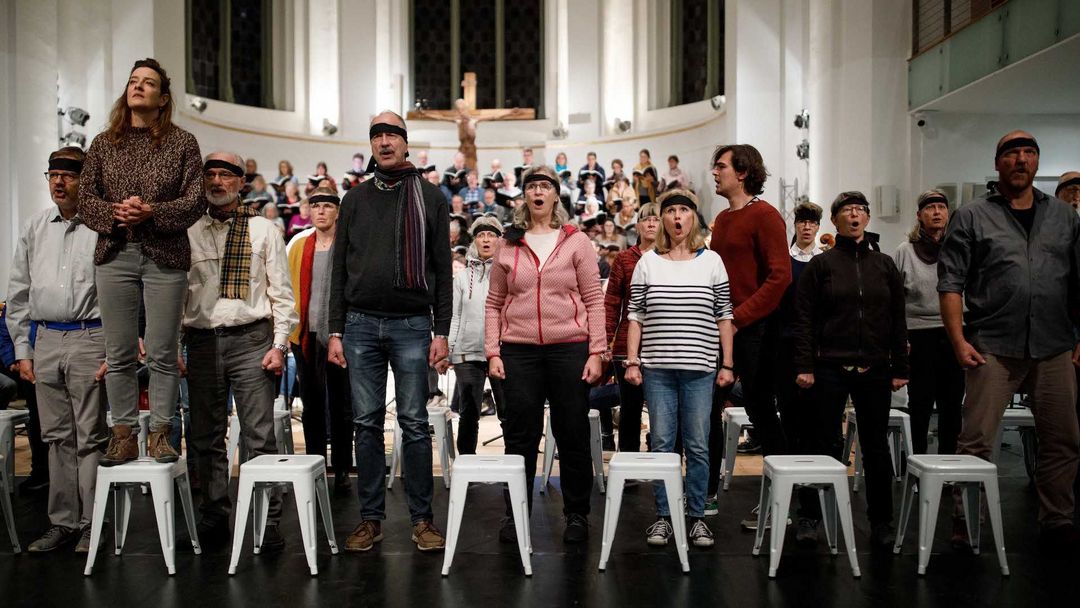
<point>123,446</point>
<point>158,446</point>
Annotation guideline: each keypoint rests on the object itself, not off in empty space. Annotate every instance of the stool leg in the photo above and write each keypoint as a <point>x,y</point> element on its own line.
<point>929,500</point>
<point>304,494</point>
<point>827,498</point>
<point>161,489</point>
<point>121,513</point>
<point>849,440</point>
<point>234,441</point>
<point>858,466</point>
<point>612,505</point>
<point>843,507</point>
<point>444,455</point>
<point>519,504</point>
<point>243,506</point>
<point>458,490</point>
<point>7,448</point>
<point>731,451</point>
<point>184,490</point>
<point>909,444</point>
<point>597,449</point>
<point>778,507</point>
<point>395,456</point>
<point>101,501</point>
<point>323,494</point>
<point>673,484</point>
<point>549,450</point>
<point>261,506</point>
<point>764,500</point>
<point>894,454</point>
<point>5,506</point>
<point>971,514</point>
<point>144,432</point>
<point>993,504</point>
<point>906,502</point>
<point>290,446</point>
<point>279,436</point>
<point>995,452</point>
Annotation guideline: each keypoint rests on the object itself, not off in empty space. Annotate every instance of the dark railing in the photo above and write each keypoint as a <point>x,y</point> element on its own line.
<point>935,20</point>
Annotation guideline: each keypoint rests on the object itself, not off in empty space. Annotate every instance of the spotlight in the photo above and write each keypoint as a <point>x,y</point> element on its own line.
<point>717,102</point>
<point>622,125</point>
<point>198,104</point>
<point>71,138</point>
<point>559,132</point>
<point>802,120</point>
<point>328,128</point>
<point>76,116</point>
<point>803,150</point>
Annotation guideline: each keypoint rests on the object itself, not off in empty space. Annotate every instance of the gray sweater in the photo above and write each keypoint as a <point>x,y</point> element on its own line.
<point>922,307</point>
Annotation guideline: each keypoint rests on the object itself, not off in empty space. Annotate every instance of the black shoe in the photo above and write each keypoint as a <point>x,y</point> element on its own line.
<point>272,541</point>
<point>54,538</point>
<point>342,485</point>
<point>577,529</point>
<point>882,537</point>
<point>34,484</point>
<point>1060,541</point>
<point>750,446</point>
<point>213,532</point>
<point>508,532</point>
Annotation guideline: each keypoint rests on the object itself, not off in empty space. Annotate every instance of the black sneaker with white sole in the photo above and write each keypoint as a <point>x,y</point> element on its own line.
<point>659,533</point>
<point>700,534</point>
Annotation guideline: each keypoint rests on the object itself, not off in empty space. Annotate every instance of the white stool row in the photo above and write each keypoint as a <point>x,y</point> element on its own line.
<point>439,420</point>
<point>899,438</point>
<point>596,449</point>
<point>8,420</point>
<point>735,419</point>
<point>5,504</point>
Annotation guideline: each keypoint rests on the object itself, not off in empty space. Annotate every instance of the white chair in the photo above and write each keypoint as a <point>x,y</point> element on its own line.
<point>929,473</point>
<point>646,466</point>
<point>8,420</point>
<point>282,435</point>
<point>596,449</point>
<point>779,477</point>
<point>735,419</point>
<point>1013,418</point>
<point>438,419</point>
<point>508,469</point>
<point>899,431</point>
<point>5,505</point>
<point>307,475</point>
<point>122,479</point>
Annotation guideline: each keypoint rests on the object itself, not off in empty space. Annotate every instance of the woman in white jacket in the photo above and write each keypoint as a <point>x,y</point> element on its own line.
<point>467,332</point>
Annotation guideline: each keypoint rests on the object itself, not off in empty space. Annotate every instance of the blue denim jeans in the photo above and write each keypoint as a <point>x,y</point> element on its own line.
<point>370,344</point>
<point>681,400</point>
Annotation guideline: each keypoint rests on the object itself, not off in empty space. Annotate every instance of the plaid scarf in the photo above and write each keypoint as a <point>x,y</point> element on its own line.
<point>410,232</point>
<point>236,261</point>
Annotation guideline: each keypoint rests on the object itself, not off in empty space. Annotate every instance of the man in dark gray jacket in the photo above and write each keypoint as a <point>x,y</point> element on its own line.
<point>1013,256</point>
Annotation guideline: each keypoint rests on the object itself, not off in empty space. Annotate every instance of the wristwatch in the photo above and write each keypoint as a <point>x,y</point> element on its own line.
<point>282,348</point>
<point>337,335</point>
<point>437,336</point>
<point>628,363</point>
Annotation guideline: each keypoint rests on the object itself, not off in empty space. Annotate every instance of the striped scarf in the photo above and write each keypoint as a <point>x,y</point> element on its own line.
<point>410,231</point>
<point>236,261</point>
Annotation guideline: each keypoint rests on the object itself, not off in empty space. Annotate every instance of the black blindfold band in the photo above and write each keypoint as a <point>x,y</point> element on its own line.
<point>678,199</point>
<point>383,127</point>
<point>1065,184</point>
<point>934,199</point>
<point>540,177</point>
<point>486,228</point>
<point>323,198</point>
<point>66,164</point>
<point>1019,142</point>
<point>217,163</point>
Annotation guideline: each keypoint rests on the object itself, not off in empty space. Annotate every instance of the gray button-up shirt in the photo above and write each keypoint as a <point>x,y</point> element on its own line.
<point>52,276</point>
<point>1019,288</point>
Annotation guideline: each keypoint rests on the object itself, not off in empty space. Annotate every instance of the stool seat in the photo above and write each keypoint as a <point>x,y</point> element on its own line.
<point>805,465</point>
<point>283,465</point>
<point>734,420</point>
<point>507,468</point>
<point>5,505</point>
<point>946,464</point>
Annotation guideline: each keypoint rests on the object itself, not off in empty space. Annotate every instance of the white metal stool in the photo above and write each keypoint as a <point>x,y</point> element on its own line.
<point>8,420</point>
<point>779,477</point>
<point>646,466</point>
<point>307,474</point>
<point>5,505</point>
<point>735,419</point>
<point>122,479</point>
<point>439,420</point>
<point>930,472</point>
<point>508,469</point>
<point>282,436</point>
<point>899,431</point>
<point>1013,418</point>
<point>596,449</point>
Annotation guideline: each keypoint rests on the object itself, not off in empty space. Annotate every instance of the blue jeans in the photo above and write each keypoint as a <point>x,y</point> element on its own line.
<point>370,344</point>
<point>681,400</point>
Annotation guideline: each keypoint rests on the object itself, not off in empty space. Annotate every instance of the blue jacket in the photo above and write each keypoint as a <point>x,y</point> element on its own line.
<point>7,347</point>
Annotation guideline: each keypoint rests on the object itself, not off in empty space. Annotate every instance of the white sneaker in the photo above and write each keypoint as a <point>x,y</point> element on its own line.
<point>700,535</point>
<point>659,533</point>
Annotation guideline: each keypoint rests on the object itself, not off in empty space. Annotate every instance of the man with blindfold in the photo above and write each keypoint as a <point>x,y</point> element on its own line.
<point>1012,257</point>
<point>390,289</point>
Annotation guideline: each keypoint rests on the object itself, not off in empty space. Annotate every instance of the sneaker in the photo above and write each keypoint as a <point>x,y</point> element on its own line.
<point>750,446</point>
<point>272,541</point>
<point>427,537</point>
<point>712,505</point>
<point>700,535</point>
<point>577,529</point>
<point>961,543</point>
<point>659,533</point>
<point>806,532</point>
<point>882,537</point>
<point>54,538</point>
<point>364,536</point>
<point>508,532</point>
<point>83,546</point>
<point>123,446</point>
<point>33,484</point>
<point>159,448</point>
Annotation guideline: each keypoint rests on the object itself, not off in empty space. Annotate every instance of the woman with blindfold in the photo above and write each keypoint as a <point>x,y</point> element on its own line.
<point>544,335</point>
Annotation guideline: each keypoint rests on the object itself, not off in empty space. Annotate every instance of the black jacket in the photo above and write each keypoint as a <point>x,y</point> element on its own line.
<point>849,310</point>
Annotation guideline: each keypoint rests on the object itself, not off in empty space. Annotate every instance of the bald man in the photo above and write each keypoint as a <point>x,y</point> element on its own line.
<point>1012,257</point>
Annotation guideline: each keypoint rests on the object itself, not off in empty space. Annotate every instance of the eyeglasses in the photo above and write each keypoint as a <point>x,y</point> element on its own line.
<point>798,222</point>
<point>539,187</point>
<point>60,177</point>
<point>220,175</point>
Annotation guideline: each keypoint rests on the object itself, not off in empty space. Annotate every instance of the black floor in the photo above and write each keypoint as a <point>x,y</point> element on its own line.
<point>488,574</point>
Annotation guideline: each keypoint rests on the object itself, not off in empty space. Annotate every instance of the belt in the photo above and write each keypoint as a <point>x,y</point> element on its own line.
<point>71,326</point>
<point>230,330</point>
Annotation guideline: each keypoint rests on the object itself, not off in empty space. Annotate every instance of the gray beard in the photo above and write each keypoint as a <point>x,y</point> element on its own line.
<point>221,201</point>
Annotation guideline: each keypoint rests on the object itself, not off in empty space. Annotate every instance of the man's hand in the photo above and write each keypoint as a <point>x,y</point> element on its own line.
<point>633,375</point>
<point>968,357</point>
<point>443,366</point>
<point>594,368</point>
<point>898,383</point>
<point>438,351</point>
<point>99,375</point>
<point>495,368</point>
<point>335,352</point>
<point>26,370</point>
<point>725,377</point>
<point>1076,356</point>
<point>804,380</point>
<point>274,361</point>
<point>142,350</point>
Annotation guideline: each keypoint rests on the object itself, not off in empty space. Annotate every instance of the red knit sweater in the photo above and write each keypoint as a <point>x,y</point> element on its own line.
<point>752,241</point>
<point>617,299</point>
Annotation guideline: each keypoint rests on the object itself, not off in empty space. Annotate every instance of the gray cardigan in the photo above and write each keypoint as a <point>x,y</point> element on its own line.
<point>922,304</point>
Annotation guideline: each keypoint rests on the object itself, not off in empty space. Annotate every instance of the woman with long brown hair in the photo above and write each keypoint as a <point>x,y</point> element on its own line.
<point>140,190</point>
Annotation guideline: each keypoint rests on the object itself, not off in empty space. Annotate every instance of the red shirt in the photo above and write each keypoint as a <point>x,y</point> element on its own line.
<point>752,241</point>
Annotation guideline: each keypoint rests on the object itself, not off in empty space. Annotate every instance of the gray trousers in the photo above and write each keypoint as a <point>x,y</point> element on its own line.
<point>121,301</point>
<point>71,409</point>
<point>216,365</point>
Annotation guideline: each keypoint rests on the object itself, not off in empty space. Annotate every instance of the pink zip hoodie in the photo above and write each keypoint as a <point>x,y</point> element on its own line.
<point>562,303</point>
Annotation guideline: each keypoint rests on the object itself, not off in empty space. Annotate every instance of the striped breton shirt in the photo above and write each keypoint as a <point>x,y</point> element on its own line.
<point>678,304</point>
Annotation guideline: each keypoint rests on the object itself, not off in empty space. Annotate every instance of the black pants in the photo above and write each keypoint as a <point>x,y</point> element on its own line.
<point>469,392</point>
<point>795,404</point>
<point>755,359</point>
<point>39,450</point>
<point>871,392</point>
<point>324,387</point>
<point>631,400</point>
<point>551,372</point>
<point>936,377</point>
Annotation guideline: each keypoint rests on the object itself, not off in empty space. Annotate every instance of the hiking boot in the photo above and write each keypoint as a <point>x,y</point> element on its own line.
<point>427,537</point>
<point>54,538</point>
<point>159,448</point>
<point>364,537</point>
<point>123,446</point>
